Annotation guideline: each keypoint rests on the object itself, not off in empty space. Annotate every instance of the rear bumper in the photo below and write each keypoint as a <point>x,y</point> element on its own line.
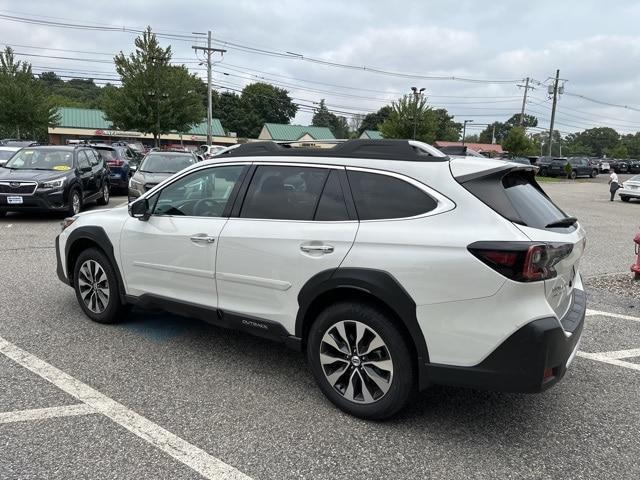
<point>119,177</point>
<point>623,192</point>
<point>520,362</point>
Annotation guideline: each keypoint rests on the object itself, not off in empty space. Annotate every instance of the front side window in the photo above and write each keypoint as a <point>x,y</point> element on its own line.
<point>284,193</point>
<point>380,197</point>
<point>204,193</point>
<point>83,160</point>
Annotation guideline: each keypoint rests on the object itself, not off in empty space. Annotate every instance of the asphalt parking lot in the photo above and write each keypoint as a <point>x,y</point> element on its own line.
<point>161,396</point>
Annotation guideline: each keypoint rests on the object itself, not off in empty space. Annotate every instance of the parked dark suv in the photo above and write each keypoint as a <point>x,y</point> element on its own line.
<point>543,163</point>
<point>120,159</point>
<point>54,178</point>
<point>580,167</point>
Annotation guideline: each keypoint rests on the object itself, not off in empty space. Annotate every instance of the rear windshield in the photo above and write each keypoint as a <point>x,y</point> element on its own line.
<point>517,197</point>
<point>161,163</point>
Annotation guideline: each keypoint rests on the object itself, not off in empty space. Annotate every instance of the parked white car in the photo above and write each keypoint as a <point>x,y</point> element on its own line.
<point>6,153</point>
<point>391,265</point>
<point>630,189</point>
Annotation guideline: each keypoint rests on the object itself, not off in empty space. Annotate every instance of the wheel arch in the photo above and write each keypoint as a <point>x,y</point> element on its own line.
<point>376,287</point>
<point>83,238</point>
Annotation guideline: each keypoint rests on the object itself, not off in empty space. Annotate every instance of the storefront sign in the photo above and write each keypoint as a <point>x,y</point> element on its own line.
<point>116,133</point>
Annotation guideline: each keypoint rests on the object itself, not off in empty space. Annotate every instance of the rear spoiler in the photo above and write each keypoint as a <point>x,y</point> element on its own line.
<point>501,171</point>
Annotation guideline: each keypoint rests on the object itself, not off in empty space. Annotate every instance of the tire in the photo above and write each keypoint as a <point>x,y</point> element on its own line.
<point>74,208</point>
<point>624,198</point>
<point>104,198</point>
<point>594,174</point>
<point>3,213</point>
<point>544,172</point>
<point>573,175</point>
<point>395,382</point>
<point>98,278</point>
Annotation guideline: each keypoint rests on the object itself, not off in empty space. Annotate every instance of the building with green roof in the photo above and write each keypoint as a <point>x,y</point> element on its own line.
<point>86,123</point>
<point>292,133</point>
<point>372,135</point>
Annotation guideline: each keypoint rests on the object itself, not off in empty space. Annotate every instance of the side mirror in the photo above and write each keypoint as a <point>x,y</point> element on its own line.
<point>133,168</point>
<point>140,209</point>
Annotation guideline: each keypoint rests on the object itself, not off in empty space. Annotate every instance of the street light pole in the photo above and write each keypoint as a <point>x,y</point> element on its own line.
<point>464,130</point>
<point>209,51</point>
<point>416,94</point>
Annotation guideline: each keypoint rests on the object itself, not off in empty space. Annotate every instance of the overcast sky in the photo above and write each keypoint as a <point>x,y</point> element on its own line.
<point>595,44</point>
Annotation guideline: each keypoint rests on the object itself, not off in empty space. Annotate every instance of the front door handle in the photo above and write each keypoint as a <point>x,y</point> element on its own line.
<point>317,248</point>
<point>202,238</point>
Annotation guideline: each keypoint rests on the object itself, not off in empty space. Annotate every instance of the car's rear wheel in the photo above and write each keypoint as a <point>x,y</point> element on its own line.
<point>96,286</point>
<point>624,198</point>
<point>544,172</point>
<point>75,202</point>
<point>104,197</point>
<point>573,175</point>
<point>361,361</point>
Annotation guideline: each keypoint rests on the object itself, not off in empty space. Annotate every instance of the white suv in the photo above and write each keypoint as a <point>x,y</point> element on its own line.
<point>391,265</point>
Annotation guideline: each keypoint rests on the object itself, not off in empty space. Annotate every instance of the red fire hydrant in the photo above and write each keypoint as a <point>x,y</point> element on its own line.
<point>635,268</point>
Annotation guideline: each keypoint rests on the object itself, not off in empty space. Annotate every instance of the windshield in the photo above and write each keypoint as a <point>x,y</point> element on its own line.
<point>6,154</point>
<point>159,163</point>
<point>41,159</point>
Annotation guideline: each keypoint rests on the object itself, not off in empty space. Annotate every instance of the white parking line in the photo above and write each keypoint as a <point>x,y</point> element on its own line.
<point>603,357</point>
<point>206,465</point>
<point>592,313</point>
<point>42,413</point>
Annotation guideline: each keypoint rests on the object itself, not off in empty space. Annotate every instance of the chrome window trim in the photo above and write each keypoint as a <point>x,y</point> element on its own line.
<point>443,204</point>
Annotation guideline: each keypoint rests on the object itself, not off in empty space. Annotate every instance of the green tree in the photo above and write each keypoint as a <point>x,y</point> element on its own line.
<point>632,143</point>
<point>447,129</point>
<point>155,97</point>
<point>516,142</point>
<point>263,103</point>
<point>324,118</point>
<point>619,151</point>
<point>24,108</point>
<point>372,121</point>
<point>406,113</point>
<point>502,128</point>
<point>598,140</point>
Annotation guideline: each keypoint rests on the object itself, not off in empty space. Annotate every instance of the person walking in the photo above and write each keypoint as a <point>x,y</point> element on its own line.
<point>614,184</point>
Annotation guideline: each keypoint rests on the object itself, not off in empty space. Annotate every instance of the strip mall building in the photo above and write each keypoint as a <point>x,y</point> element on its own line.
<point>88,124</point>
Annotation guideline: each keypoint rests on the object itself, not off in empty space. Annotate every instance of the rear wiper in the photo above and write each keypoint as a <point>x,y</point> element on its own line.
<point>564,222</point>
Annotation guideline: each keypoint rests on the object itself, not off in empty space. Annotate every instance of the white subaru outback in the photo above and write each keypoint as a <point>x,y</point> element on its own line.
<point>391,265</point>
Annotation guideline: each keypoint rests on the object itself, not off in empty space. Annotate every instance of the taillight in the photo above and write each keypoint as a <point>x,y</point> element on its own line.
<point>522,261</point>
<point>115,163</point>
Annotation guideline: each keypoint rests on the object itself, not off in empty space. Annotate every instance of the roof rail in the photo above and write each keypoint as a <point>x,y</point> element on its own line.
<point>405,150</point>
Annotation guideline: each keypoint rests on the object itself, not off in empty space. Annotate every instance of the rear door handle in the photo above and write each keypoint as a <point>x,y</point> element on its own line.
<point>317,248</point>
<point>202,238</point>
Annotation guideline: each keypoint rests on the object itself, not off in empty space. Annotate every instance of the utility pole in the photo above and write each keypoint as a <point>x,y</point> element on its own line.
<point>553,109</point>
<point>524,99</point>
<point>209,51</point>
<point>493,134</point>
<point>416,95</point>
<point>464,130</point>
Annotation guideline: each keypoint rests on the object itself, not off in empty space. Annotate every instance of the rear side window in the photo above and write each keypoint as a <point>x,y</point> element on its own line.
<point>384,197</point>
<point>517,197</point>
<point>284,193</point>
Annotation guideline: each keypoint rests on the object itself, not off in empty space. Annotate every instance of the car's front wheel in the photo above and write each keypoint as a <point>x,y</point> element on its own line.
<point>624,198</point>
<point>96,286</point>
<point>361,361</point>
<point>75,202</point>
<point>594,174</point>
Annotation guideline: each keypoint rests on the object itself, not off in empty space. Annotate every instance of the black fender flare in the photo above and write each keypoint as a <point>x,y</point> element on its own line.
<point>98,236</point>
<point>377,283</point>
